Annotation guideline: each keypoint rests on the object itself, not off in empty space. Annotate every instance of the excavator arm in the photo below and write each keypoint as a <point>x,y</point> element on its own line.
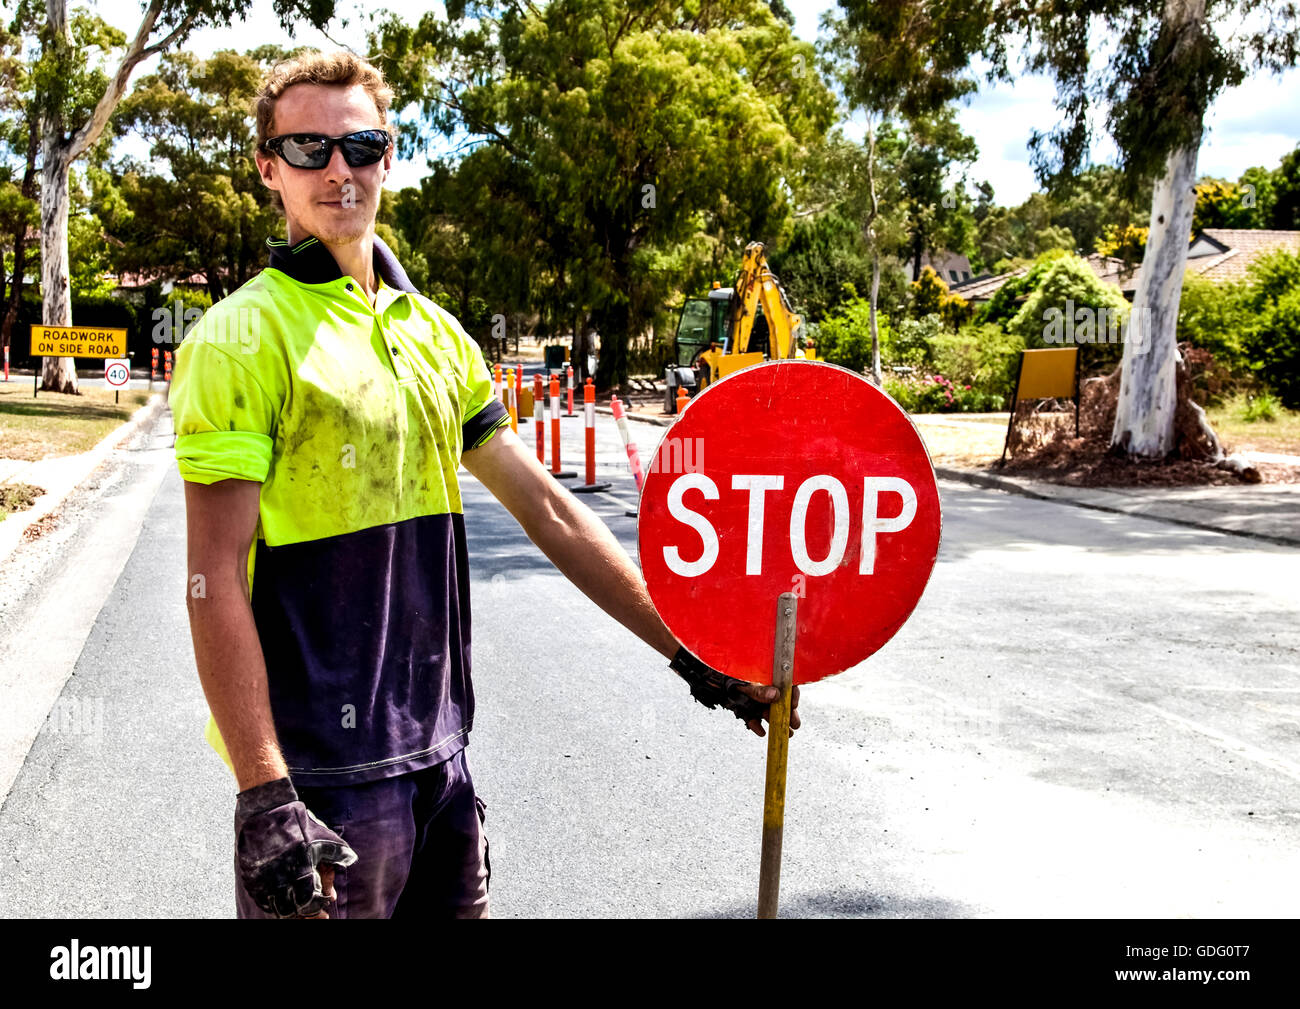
<point>757,285</point>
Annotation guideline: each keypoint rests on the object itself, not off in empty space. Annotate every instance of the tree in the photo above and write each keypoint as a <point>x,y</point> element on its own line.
<point>19,209</point>
<point>1168,61</point>
<point>1286,192</point>
<point>899,58</point>
<point>209,212</point>
<point>635,125</point>
<point>824,259</point>
<point>74,102</point>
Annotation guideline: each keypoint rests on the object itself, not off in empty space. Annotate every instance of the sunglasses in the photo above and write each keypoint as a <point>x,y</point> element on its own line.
<point>314,150</point>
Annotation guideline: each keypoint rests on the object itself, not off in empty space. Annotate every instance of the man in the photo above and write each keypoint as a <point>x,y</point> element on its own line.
<point>321,413</point>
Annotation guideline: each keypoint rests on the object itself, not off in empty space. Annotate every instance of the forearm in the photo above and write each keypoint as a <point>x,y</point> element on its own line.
<point>232,671</point>
<point>587,553</point>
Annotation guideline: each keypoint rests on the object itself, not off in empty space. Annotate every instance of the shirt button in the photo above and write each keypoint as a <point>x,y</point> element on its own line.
<point>395,351</point>
<point>349,287</point>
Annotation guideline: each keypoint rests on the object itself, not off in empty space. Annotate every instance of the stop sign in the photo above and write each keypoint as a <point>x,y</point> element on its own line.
<point>790,476</point>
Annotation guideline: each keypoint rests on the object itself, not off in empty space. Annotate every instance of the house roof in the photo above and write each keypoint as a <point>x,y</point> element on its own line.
<point>1218,254</point>
<point>1242,247</point>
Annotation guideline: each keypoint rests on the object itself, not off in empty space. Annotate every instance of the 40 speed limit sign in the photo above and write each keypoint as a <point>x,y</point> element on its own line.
<point>787,528</point>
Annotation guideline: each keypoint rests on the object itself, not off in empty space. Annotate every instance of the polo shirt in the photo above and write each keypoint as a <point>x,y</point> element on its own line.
<point>353,418</point>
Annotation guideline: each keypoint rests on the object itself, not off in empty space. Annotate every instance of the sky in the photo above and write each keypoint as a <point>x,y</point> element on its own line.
<point>1254,124</point>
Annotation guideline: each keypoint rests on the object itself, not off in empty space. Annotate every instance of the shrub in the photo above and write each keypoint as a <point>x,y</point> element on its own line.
<point>911,343</point>
<point>1264,407</point>
<point>982,356</point>
<point>939,394</point>
<point>1274,344</point>
<point>844,338</point>
<point>1273,341</point>
<point>1214,318</point>
<point>1005,303</point>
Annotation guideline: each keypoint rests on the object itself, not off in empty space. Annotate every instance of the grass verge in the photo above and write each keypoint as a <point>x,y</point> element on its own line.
<point>54,424</point>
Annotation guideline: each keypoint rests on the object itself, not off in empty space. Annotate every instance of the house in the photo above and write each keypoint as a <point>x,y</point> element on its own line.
<point>954,269</point>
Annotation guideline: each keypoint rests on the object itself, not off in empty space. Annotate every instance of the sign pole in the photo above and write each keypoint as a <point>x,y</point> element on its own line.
<point>778,751</point>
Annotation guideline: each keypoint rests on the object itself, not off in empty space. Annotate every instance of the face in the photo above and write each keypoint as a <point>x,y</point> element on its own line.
<point>336,203</point>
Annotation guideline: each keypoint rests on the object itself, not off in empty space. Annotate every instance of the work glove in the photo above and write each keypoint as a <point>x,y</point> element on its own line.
<point>280,844</point>
<point>712,688</point>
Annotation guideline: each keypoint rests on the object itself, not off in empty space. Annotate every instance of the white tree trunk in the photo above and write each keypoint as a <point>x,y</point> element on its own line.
<point>875,253</point>
<point>1144,417</point>
<point>875,331</point>
<point>58,374</point>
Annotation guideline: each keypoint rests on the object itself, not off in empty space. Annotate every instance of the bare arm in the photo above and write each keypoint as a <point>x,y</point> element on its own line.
<point>582,547</point>
<point>221,521</point>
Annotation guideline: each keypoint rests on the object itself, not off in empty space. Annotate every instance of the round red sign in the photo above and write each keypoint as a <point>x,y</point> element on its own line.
<point>790,476</point>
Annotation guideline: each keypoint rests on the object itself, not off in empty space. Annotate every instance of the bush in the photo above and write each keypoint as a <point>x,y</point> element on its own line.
<point>911,343</point>
<point>1005,303</point>
<point>982,356</point>
<point>1211,380</point>
<point>1262,407</point>
<point>1214,318</point>
<point>844,338</point>
<point>1273,341</point>
<point>938,394</point>
<point>1274,344</point>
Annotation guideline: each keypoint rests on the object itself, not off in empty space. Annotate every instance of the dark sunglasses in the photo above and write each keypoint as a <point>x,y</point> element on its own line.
<point>314,150</point>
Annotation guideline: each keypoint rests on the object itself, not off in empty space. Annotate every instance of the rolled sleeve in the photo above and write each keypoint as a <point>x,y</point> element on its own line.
<point>223,417</point>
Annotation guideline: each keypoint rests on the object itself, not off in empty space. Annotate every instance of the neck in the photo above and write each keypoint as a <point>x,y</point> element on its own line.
<point>355,258</point>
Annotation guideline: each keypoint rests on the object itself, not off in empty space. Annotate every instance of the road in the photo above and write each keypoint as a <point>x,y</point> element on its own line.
<point>1088,715</point>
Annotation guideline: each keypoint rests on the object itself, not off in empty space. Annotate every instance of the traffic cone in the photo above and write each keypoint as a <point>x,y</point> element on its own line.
<point>589,408</point>
<point>555,433</point>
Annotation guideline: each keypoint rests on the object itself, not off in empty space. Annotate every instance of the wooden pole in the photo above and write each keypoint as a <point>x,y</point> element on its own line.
<point>778,750</point>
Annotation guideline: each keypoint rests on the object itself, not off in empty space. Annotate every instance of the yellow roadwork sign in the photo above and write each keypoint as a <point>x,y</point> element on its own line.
<point>78,341</point>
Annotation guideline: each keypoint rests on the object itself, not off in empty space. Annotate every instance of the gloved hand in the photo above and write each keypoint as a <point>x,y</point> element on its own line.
<point>280,844</point>
<point>712,688</point>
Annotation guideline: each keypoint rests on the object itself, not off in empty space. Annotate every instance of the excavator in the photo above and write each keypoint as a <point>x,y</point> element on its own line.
<point>735,327</point>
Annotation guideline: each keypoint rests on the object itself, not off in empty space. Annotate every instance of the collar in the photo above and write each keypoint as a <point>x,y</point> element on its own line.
<point>311,262</point>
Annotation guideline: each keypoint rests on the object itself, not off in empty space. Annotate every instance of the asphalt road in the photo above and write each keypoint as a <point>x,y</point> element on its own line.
<point>1088,715</point>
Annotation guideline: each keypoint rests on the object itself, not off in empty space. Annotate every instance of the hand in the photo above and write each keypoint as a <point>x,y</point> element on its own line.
<point>286,855</point>
<point>747,701</point>
<point>766,694</point>
<point>327,891</point>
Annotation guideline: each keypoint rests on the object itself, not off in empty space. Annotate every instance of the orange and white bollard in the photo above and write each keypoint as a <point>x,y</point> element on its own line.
<point>538,419</point>
<point>569,369</point>
<point>6,362</point>
<point>512,407</point>
<point>682,399</point>
<point>167,365</point>
<point>633,458</point>
<point>496,381</point>
<point>555,433</point>
<point>589,409</point>
<point>519,391</point>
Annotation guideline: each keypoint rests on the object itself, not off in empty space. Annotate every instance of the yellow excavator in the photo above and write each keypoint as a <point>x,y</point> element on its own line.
<point>735,327</point>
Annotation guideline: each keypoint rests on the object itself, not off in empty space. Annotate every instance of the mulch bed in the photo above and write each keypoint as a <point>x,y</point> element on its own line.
<point>1044,446</point>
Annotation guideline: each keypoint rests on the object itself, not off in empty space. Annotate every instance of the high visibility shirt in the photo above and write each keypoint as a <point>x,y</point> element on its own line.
<point>353,418</point>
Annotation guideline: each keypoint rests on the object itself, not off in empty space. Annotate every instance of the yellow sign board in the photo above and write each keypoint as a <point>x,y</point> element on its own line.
<point>78,341</point>
<point>1047,374</point>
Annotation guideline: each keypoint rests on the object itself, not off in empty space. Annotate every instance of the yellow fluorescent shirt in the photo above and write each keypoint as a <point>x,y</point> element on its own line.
<point>353,418</point>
